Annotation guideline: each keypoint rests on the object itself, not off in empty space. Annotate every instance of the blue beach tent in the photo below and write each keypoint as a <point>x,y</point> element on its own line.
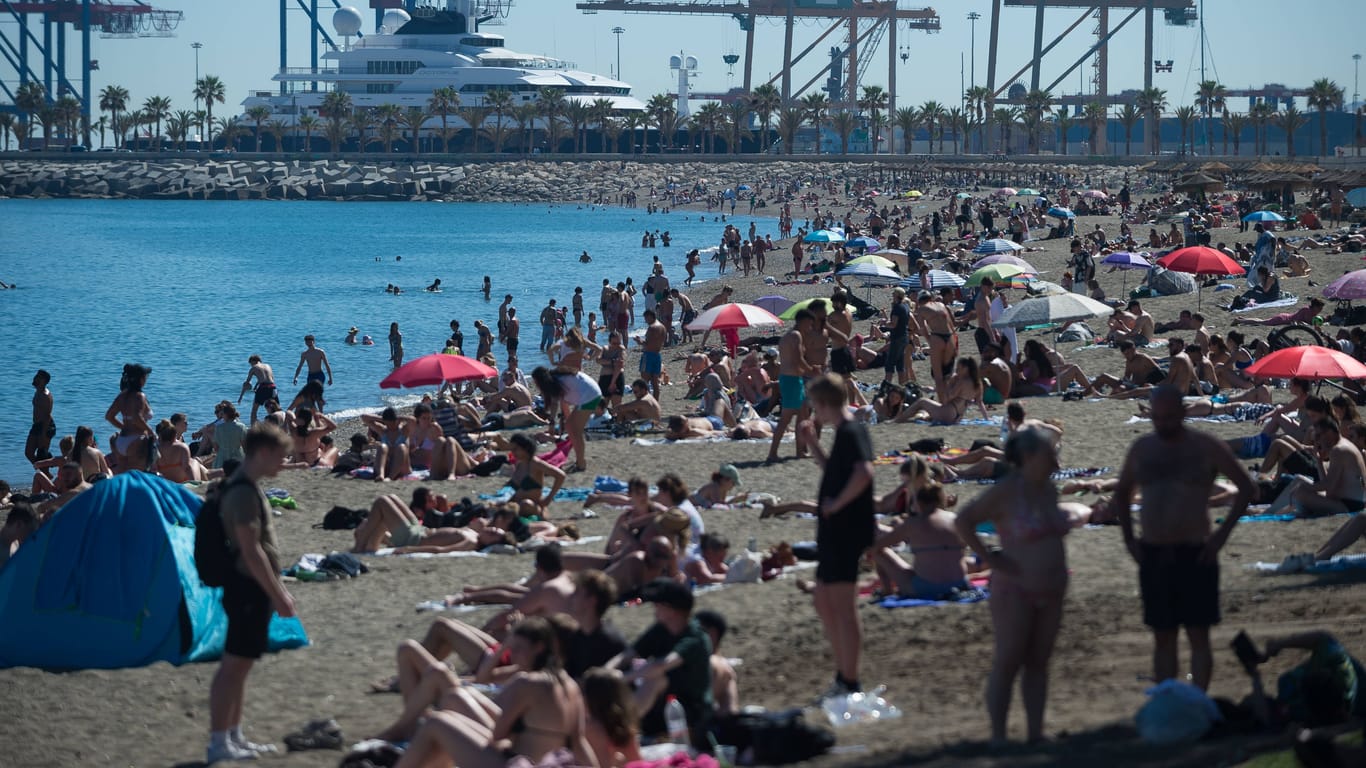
<point>110,582</point>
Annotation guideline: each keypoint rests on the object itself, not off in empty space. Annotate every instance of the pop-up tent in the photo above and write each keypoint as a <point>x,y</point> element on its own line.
<point>110,582</point>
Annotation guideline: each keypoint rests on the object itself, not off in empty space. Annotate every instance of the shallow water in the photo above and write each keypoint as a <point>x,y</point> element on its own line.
<point>193,288</point>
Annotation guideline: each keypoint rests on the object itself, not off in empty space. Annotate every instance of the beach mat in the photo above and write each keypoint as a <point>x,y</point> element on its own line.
<point>565,494</point>
<point>1288,301</point>
<point>975,595</point>
<point>1335,565</point>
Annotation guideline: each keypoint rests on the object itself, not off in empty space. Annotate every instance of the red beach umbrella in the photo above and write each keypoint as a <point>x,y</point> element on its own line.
<point>734,315</point>
<point>437,369</point>
<point>1200,260</point>
<point>1312,362</point>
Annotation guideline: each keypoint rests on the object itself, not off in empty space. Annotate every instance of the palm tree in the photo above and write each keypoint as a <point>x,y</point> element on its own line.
<point>525,115</point>
<point>1128,117</point>
<point>474,117</point>
<point>258,114</point>
<point>1324,95</point>
<point>277,129</point>
<point>209,89</point>
<point>599,111</point>
<point>413,118</point>
<point>1360,111</point>
<point>157,108</point>
<point>309,124</point>
<point>932,114</point>
<point>1185,122</point>
<point>955,120</point>
<point>68,116</point>
<point>362,120</point>
<point>336,107</point>
<point>47,118</point>
<point>1261,115</point>
<point>611,129</point>
<point>386,118</point>
<point>101,125</point>
<point>817,106</point>
<point>711,117</point>
<point>737,117</point>
<point>874,100</point>
<point>977,97</point>
<point>31,100</point>
<point>551,103</point>
<point>499,102</point>
<point>1005,118</point>
<point>1210,97</point>
<point>186,119</point>
<point>176,128</point>
<point>1035,105</point>
<point>1063,120</point>
<point>230,129</point>
<point>1290,119</point>
<point>199,118</point>
<point>1095,117</point>
<point>790,121</point>
<point>659,108</point>
<point>1234,123</point>
<point>1152,101</point>
<point>113,99</point>
<point>629,123</point>
<point>843,124</point>
<point>906,118</point>
<point>444,100</point>
<point>7,121</point>
<point>764,101</point>
<point>579,114</point>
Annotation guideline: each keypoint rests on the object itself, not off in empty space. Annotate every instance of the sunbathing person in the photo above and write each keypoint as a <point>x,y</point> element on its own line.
<point>392,432</point>
<point>1306,314</point>
<point>752,429</point>
<point>1340,488</point>
<point>715,402</point>
<point>708,566</point>
<point>1203,407</point>
<point>306,430</point>
<point>529,477</point>
<point>1310,409</point>
<point>961,390</point>
<point>719,491</point>
<point>1180,376</point>
<point>394,523</point>
<point>939,564</point>
<point>644,408</point>
<point>1140,370</point>
<point>612,726</point>
<point>692,427</point>
<point>657,560</point>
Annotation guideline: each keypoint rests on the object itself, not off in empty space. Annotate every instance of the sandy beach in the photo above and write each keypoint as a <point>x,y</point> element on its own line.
<point>932,660</point>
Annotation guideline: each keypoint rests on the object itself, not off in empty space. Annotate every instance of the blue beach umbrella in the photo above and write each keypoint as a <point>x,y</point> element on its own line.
<point>1357,197</point>
<point>824,236</point>
<point>1126,261</point>
<point>1263,216</point>
<point>938,278</point>
<point>775,304</point>
<point>997,245</point>
<point>866,243</point>
<point>744,188</point>
<point>1062,213</point>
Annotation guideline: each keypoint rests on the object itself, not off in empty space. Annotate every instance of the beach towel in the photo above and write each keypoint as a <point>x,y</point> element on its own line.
<point>389,552</point>
<point>994,421</point>
<point>505,494</point>
<point>1288,301</point>
<point>646,441</point>
<point>1066,473</point>
<point>1154,344</point>
<point>1335,565</point>
<point>974,595</point>
<point>368,473</point>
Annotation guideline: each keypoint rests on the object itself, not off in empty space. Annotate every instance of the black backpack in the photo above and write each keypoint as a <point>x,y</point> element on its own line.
<point>342,519</point>
<point>214,556</point>
<point>776,738</point>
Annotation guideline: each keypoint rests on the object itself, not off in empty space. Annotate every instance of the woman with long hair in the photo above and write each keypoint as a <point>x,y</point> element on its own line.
<point>612,728</point>
<point>174,461</point>
<point>529,475</point>
<point>131,415</point>
<point>575,396</point>
<point>88,455</point>
<point>306,430</point>
<point>960,391</point>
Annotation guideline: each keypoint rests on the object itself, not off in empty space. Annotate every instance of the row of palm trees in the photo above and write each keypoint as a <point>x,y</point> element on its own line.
<point>63,119</point>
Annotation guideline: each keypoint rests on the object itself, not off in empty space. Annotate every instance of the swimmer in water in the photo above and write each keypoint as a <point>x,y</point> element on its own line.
<point>435,287</point>
<point>351,335</point>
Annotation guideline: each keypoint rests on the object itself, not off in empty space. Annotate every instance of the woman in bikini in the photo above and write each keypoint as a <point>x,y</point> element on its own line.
<point>960,391</point>
<point>938,323</point>
<point>429,448</point>
<point>1028,575</point>
<point>174,461</point>
<point>84,452</point>
<point>1038,377</point>
<point>307,430</point>
<point>575,396</point>
<point>939,566</point>
<point>393,432</point>
<point>529,475</point>
<point>131,414</point>
<point>537,711</point>
<point>612,376</point>
<point>400,526</point>
<point>720,490</point>
<point>577,349</point>
<point>1232,374</point>
<point>311,397</point>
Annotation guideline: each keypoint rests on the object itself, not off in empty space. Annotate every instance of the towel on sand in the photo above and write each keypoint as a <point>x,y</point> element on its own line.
<point>974,595</point>
<point>1288,301</point>
<point>1339,563</point>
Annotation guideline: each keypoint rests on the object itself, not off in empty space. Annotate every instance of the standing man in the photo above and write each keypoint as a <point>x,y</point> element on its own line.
<point>1263,255</point>
<point>485,346</point>
<point>316,360</point>
<point>797,254</point>
<point>845,525</point>
<point>651,351</point>
<point>1177,554</point>
<point>457,337</point>
<point>265,384</point>
<point>503,310</point>
<point>39,444</point>
<point>981,307</point>
<point>548,315</point>
<point>577,306</point>
<point>897,339</point>
<point>512,331</point>
<point>252,593</point>
<point>792,372</point>
<point>839,327</point>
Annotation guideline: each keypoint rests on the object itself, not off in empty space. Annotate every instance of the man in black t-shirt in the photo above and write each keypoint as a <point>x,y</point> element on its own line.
<point>677,656</point>
<point>595,643</point>
<point>845,525</point>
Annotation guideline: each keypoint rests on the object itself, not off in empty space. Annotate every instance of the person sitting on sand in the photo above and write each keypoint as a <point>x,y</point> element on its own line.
<point>1310,408</point>
<point>547,592</point>
<point>719,491</point>
<point>1268,289</point>
<point>612,726</point>
<point>394,523</point>
<point>715,401</point>
<point>1140,370</point>
<point>83,451</point>
<point>657,559</point>
<point>529,474</point>
<point>1134,325</point>
<point>1180,376</point>
<point>174,461</point>
<point>1306,314</point>
<point>393,433</point>
<point>644,408</point>
<point>68,485</point>
<point>429,448</point>
<point>1340,487</point>
<point>708,565</point>
<point>997,378</point>
<point>939,566</point>
<point>306,430</point>
<point>725,687</point>
<point>961,390</point>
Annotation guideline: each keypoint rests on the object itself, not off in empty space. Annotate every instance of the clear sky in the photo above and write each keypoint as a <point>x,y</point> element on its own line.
<point>1251,42</point>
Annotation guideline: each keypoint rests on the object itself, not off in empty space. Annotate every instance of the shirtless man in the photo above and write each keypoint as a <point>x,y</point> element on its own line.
<point>512,331</point>
<point>645,406</point>
<point>1140,370</point>
<point>937,320</point>
<point>265,384</point>
<point>503,317</point>
<point>316,360</point>
<point>658,560</point>
<point>981,312</point>
<point>651,351</point>
<point>1175,469</point>
<point>839,328</point>
<point>1180,375</point>
<point>996,372</point>
<point>39,444</point>
<point>686,427</point>
<point>547,592</point>
<point>1339,489</point>
<point>793,370</point>
<point>1134,325</point>
<point>1184,322</point>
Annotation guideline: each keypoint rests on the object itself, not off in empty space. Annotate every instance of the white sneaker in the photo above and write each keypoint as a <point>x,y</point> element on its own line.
<point>251,746</point>
<point>1297,563</point>
<point>227,752</point>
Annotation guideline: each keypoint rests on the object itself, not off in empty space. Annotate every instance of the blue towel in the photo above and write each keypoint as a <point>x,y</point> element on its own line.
<point>974,596</point>
<point>1284,517</point>
<point>609,484</point>
<point>505,495</point>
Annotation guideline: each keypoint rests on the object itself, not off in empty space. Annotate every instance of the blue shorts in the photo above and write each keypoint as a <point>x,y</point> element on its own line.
<point>716,423</point>
<point>318,376</point>
<point>651,363</point>
<point>1255,447</point>
<point>793,390</point>
<point>929,590</point>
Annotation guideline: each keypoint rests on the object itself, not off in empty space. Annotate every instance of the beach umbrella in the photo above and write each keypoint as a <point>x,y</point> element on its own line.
<point>1051,310</point>
<point>997,272</point>
<point>1126,261</point>
<point>791,312</point>
<point>435,370</point>
<point>1263,216</point>
<point>938,278</point>
<point>866,243</point>
<point>1005,192</point>
<point>872,259</point>
<point>1357,197</point>
<point>1200,260</point>
<point>1062,213</point>
<point>962,195</point>
<point>1349,287</point>
<point>913,193</point>
<point>870,274</point>
<point>997,245</point>
<point>1004,258</point>
<point>1312,362</point>
<point>774,304</point>
<point>1095,194</point>
<point>1044,288</point>
<point>1027,192</point>
<point>744,188</point>
<point>825,236</point>
<point>733,315</point>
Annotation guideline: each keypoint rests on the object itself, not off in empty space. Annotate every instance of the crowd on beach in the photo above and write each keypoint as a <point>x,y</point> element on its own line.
<point>565,679</point>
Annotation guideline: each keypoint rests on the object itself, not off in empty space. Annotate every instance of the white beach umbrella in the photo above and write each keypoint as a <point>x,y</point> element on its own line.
<point>1047,310</point>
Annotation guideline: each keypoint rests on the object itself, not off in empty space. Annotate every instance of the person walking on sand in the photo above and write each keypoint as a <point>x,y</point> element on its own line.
<point>395,345</point>
<point>793,370</point>
<point>39,444</point>
<point>651,351</point>
<point>316,360</point>
<point>1177,554</point>
<point>252,593</point>
<point>845,526</point>
<point>265,384</point>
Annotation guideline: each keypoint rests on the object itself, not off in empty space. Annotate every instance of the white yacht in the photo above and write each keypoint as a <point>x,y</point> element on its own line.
<point>438,45</point>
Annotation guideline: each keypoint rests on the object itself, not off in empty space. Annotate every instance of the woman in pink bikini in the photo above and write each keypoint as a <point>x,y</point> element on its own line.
<point>1028,575</point>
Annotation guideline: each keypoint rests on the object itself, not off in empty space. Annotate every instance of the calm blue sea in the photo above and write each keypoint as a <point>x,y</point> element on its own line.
<point>193,288</point>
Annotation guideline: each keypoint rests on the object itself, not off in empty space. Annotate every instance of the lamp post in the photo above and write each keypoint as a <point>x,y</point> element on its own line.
<point>1356,77</point>
<point>972,67</point>
<point>196,46</point>
<point>618,32</point>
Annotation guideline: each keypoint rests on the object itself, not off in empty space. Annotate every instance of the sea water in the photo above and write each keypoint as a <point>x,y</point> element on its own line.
<point>194,288</point>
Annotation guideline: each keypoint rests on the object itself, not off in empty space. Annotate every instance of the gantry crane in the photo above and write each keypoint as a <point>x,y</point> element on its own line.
<point>878,18</point>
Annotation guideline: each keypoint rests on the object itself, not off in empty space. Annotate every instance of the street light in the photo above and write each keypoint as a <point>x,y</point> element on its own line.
<point>973,17</point>
<point>618,32</point>
<point>1356,78</point>
<point>196,46</point>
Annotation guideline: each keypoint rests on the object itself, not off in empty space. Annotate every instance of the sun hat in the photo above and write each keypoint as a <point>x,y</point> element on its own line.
<point>729,470</point>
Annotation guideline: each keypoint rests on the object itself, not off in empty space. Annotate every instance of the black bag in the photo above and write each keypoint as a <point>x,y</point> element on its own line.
<point>342,519</point>
<point>776,738</point>
<point>928,446</point>
<point>214,556</point>
<point>343,564</point>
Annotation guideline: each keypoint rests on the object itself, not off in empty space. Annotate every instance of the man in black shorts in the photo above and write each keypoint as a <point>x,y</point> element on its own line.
<point>252,593</point>
<point>845,526</point>
<point>1177,555</point>
<point>39,443</point>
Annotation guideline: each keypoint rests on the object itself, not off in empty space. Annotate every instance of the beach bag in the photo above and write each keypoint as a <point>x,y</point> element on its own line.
<point>776,738</point>
<point>746,568</point>
<point>214,557</point>
<point>341,518</point>
<point>1176,712</point>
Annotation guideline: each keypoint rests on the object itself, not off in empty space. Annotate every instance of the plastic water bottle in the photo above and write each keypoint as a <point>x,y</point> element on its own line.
<point>676,720</point>
<point>1005,430</point>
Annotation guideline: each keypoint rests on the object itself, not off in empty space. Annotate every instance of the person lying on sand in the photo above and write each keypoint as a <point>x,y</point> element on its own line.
<point>689,427</point>
<point>719,490</point>
<point>752,429</point>
<point>396,524</point>
<point>708,565</point>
